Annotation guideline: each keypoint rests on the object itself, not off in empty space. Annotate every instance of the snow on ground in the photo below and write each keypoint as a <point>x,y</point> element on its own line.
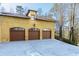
<point>50,47</point>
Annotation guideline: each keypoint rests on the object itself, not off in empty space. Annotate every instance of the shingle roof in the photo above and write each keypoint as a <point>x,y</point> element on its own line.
<point>13,15</point>
<point>43,18</point>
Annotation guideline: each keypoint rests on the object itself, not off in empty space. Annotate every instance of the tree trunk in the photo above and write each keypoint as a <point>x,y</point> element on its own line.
<point>60,32</point>
<point>72,37</point>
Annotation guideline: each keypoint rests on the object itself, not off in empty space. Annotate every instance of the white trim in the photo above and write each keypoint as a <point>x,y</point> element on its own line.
<point>46,29</point>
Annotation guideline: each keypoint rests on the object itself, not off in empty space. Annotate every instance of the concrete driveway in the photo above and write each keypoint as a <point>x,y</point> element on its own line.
<point>48,47</point>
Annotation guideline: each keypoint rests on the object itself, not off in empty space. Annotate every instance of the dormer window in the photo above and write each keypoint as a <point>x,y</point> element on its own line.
<point>32,14</point>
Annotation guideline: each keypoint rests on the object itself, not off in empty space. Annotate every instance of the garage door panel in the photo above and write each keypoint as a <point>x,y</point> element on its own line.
<point>17,35</point>
<point>34,34</point>
<point>46,34</point>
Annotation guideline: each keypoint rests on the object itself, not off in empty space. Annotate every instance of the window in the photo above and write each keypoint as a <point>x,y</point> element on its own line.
<point>18,28</point>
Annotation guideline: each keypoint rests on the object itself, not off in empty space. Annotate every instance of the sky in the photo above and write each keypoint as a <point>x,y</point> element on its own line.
<point>12,6</point>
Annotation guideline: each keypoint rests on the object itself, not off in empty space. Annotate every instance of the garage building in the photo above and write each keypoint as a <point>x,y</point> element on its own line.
<point>14,27</point>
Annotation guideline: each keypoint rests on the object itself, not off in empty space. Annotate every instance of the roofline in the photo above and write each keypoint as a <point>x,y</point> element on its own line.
<point>27,17</point>
<point>46,20</point>
<point>32,10</point>
<point>17,16</point>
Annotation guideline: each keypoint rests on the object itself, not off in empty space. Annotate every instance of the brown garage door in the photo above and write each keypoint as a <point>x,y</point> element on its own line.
<point>34,34</point>
<point>46,34</point>
<point>17,34</point>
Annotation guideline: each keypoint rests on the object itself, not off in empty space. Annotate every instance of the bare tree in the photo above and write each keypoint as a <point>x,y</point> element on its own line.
<point>2,9</point>
<point>59,10</point>
<point>66,14</point>
<point>72,24</point>
<point>25,10</point>
<point>19,10</point>
<point>11,10</point>
<point>39,12</point>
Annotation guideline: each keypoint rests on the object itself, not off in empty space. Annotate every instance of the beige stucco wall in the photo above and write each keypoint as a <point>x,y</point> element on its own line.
<point>0,33</point>
<point>0,29</point>
<point>10,22</point>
